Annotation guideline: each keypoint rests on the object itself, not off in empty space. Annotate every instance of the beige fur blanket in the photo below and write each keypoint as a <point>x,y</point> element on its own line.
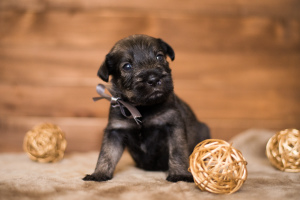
<point>21,178</point>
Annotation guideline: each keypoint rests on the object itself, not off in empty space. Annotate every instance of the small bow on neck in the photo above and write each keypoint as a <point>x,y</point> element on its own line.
<point>117,102</point>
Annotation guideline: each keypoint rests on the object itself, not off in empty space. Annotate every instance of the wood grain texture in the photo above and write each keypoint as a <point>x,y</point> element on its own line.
<point>237,62</point>
<point>282,8</point>
<point>185,31</point>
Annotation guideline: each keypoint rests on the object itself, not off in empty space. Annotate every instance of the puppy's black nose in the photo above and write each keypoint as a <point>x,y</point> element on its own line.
<point>153,80</point>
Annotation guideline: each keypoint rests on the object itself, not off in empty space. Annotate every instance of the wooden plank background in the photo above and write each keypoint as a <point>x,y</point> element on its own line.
<point>237,62</point>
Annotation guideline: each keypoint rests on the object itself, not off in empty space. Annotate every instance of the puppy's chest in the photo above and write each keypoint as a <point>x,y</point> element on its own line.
<point>151,137</point>
<point>159,119</point>
<point>153,133</point>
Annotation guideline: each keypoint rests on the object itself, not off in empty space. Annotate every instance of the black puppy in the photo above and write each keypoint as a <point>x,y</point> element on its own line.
<point>140,75</point>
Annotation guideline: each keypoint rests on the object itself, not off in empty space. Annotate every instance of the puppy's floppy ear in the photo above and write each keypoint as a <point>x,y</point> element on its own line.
<point>167,48</point>
<point>105,68</point>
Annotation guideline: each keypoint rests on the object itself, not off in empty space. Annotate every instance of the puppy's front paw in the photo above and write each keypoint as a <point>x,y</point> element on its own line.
<point>96,177</point>
<point>176,178</point>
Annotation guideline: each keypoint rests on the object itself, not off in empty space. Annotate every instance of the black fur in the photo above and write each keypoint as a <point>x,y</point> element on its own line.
<point>140,75</point>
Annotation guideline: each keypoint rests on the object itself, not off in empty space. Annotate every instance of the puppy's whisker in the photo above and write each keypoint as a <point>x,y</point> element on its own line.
<point>139,80</point>
<point>164,73</point>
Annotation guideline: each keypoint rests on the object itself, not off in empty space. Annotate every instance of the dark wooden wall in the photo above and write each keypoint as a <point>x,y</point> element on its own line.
<point>237,62</point>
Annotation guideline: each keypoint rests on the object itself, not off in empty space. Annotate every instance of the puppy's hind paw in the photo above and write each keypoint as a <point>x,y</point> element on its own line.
<point>96,177</point>
<point>176,178</point>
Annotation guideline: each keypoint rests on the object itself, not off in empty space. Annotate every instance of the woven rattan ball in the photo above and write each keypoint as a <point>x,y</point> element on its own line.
<point>283,150</point>
<point>218,167</point>
<point>45,143</point>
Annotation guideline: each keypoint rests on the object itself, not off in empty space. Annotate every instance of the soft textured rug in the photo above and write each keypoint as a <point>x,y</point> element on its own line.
<point>21,178</point>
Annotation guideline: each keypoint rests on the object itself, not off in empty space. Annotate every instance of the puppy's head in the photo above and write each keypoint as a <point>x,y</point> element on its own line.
<point>139,70</point>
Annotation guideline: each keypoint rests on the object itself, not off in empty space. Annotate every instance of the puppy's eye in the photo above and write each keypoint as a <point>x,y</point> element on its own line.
<point>160,57</point>
<point>127,66</point>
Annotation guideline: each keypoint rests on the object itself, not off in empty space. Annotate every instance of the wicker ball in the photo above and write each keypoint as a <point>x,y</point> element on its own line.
<point>45,143</point>
<point>283,150</point>
<point>218,167</point>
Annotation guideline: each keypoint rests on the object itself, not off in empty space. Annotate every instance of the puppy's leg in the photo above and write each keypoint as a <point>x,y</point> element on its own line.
<point>111,152</point>
<point>178,157</point>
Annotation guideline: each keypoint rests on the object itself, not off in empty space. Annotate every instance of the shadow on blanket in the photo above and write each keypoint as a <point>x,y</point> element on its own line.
<point>20,178</point>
